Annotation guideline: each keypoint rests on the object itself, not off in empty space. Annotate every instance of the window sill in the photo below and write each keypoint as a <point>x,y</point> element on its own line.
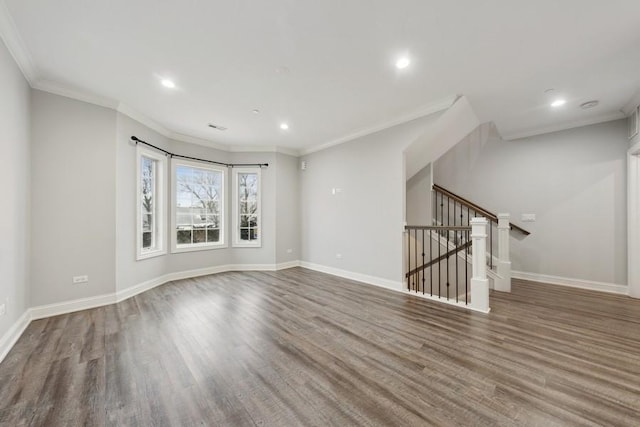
<point>247,245</point>
<point>151,254</point>
<point>176,250</point>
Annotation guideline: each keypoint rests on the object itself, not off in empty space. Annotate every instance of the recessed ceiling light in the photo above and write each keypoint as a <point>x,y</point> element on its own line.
<point>402,63</point>
<point>589,104</point>
<point>168,83</point>
<point>256,111</point>
<point>558,102</point>
<point>284,126</point>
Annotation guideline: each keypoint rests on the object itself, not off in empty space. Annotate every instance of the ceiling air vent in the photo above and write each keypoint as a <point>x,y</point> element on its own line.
<point>217,127</point>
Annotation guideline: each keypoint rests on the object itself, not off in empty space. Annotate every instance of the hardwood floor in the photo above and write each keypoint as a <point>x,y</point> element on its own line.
<point>297,347</point>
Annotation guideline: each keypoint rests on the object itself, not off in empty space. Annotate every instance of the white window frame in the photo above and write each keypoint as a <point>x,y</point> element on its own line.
<point>205,246</point>
<point>235,214</point>
<point>159,205</point>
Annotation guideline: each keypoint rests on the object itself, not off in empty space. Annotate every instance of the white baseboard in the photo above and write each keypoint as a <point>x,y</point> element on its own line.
<point>359,277</point>
<point>49,310</point>
<point>573,283</point>
<point>8,340</point>
<point>43,311</point>
<point>289,264</point>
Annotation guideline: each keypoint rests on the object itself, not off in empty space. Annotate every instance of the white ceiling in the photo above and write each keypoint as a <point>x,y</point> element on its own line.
<point>226,58</point>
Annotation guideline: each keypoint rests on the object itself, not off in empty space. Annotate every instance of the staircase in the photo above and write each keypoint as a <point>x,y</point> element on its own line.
<point>452,260</point>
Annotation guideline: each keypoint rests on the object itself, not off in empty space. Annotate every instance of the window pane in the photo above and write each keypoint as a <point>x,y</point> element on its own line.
<point>147,190</point>
<point>146,239</point>
<point>198,204</point>
<point>253,234</point>
<point>184,237</point>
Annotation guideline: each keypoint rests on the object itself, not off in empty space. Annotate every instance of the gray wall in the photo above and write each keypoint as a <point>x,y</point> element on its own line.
<point>131,272</point>
<point>73,198</point>
<point>364,221</point>
<point>419,197</point>
<point>15,177</point>
<point>573,180</point>
<point>288,208</point>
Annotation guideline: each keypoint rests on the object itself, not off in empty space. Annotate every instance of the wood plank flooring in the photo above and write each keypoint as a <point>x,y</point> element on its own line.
<point>297,347</point>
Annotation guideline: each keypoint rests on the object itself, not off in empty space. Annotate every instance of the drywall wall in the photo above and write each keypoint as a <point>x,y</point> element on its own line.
<point>287,208</point>
<point>73,198</point>
<point>128,271</point>
<point>419,198</point>
<point>132,272</point>
<point>359,228</point>
<point>15,177</point>
<point>573,180</point>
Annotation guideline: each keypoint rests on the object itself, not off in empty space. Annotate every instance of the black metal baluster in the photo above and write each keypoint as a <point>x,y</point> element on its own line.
<point>447,242</point>
<point>455,243</point>
<point>431,257</point>
<point>423,263</point>
<point>466,274</point>
<point>440,247</point>
<point>415,259</point>
<point>409,259</point>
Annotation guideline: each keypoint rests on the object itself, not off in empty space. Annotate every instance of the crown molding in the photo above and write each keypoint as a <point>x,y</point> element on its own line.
<point>199,141</point>
<point>16,46</point>
<point>427,110</point>
<point>264,149</point>
<point>607,117</point>
<point>143,119</point>
<point>632,104</point>
<point>79,95</point>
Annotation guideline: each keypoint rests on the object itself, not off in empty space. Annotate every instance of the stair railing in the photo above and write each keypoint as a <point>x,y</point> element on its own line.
<point>449,209</point>
<point>436,271</point>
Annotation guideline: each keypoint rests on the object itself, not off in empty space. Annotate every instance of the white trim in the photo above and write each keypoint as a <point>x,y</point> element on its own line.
<point>56,309</point>
<point>16,46</point>
<point>159,203</point>
<point>263,149</point>
<point>359,277</point>
<point>288,264</point>
<point>443,300</point>
<point>9,339</point>
<point>427,110</point>
<point>76,94</point>
<point>571,282</point>
<point>236,242</point>
<point>616,115</point>
<point>198,141</point>
<point>633,220</point>
<point>222,243</point>
<point>632,104</point>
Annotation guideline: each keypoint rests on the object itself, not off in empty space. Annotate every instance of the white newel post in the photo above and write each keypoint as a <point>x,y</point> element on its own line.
<point>479,281</point>
<point>504,260</point>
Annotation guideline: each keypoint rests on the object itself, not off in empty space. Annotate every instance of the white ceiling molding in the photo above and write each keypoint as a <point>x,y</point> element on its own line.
<point>58,89</point>
<point>198,141</point>
<point>11,37</point>
<point>565,126</point>
<point>141,118</point>
<point>264,149</point>
<point>423,112</point>
<point>633,103</point>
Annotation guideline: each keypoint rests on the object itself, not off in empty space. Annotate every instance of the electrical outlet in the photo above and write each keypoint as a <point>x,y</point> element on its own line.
<point>80,279</point>
<point>3,309</point>
<point>289,251</point>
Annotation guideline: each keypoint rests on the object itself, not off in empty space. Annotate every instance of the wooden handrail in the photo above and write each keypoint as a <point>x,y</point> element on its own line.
<point>440,258</point>
<point>471,205</point>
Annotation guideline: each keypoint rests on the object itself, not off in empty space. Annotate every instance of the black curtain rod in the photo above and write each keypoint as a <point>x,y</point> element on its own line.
<point>168,153</point>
